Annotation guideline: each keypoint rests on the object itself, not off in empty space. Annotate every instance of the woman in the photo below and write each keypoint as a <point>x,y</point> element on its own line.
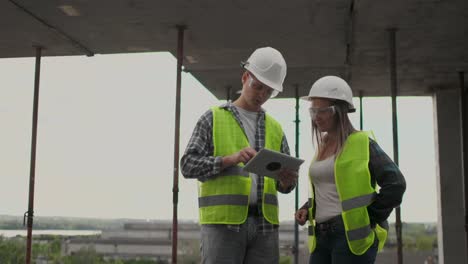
<point>347,216</point>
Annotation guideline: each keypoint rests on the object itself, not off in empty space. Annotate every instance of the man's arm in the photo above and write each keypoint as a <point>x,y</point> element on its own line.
<point>198,161</point>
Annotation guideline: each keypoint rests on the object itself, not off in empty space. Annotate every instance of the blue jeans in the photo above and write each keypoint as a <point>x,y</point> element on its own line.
<point>332,246</point>
<point>221,245</point>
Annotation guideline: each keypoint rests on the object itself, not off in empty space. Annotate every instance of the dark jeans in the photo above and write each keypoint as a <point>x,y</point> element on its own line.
<point>220,245</point>
<point>332,247</point>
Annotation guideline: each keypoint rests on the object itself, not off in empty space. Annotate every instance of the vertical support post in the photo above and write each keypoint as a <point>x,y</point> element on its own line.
<point>296,204</point>
<point>228,93</point>
<point>393,84</point>
<point>175,188</point>
<point>32,173</point>
<point>464,131</point>
<point>361,108</point>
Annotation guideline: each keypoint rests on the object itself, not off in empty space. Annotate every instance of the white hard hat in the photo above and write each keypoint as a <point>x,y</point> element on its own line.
<point>332,87</point>
<point>268,66</point>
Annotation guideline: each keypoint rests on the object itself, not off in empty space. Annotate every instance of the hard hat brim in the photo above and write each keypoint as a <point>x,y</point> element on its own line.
<point>351,108</point>
<point>264,81</point>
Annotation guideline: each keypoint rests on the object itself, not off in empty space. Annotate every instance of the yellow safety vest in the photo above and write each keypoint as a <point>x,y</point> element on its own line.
<point>225,198</point>
<point>353,184</point>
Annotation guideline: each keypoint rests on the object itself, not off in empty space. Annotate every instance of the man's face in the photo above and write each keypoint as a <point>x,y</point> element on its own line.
<point>254,92</point>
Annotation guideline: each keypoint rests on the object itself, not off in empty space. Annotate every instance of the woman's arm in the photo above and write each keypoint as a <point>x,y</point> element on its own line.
<point>392,184</point>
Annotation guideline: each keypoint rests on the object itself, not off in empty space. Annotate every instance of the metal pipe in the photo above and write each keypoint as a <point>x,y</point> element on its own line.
<point>361,108</point>
<point>296,204</point>
<point>175,188</point>
<point>228,93</point>
<point>32,169</point>
<point>464,131</point>
<point>393,85</point>
<point>349,42</point>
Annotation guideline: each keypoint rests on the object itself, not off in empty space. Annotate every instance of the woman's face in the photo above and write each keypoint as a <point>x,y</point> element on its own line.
<point>322,112</point>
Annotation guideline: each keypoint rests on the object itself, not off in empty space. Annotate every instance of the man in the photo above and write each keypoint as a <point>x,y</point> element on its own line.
<point>238,211</point>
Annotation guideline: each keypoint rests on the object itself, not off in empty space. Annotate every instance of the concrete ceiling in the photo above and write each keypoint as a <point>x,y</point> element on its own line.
<point>321,37</point>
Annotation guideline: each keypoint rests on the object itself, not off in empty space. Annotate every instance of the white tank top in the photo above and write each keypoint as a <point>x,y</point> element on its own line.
<point>327,201</point>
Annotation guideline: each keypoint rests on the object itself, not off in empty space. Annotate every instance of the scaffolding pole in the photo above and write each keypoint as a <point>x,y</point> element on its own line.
<point>32,173</point>
<point>228,93</point>
<point>296,204</point>
<point>393,85</point>
<point>175,188</point>
<point>464,129</point>
<point>361,108</point>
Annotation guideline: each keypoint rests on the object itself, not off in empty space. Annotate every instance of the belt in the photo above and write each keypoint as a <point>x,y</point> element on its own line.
<point>330,224</point>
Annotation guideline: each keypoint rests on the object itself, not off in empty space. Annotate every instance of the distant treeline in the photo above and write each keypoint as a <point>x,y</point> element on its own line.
<point>416,236</point>
<point>13,251</point>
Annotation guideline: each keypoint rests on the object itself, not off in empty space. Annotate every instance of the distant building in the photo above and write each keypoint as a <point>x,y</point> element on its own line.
<point>122,248</point>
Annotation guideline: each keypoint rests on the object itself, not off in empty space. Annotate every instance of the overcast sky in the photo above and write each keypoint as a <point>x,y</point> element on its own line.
<point>106,138</point>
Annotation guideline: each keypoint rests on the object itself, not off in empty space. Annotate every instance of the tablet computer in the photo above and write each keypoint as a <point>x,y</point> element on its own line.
<point>269,163</point>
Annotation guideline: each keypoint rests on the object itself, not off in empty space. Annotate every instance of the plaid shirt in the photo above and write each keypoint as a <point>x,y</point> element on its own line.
<point>392,184</point>
<point>199,163</point>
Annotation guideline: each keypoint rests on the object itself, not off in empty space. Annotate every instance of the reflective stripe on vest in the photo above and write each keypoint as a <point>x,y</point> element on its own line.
<point>355,195</point>
<point>359,233</point>
<point>270,199</point>
<point>225,198</point>
<point>359,201</point>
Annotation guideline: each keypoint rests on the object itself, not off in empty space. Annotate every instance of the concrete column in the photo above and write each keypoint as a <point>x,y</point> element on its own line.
<point>451,231</point>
